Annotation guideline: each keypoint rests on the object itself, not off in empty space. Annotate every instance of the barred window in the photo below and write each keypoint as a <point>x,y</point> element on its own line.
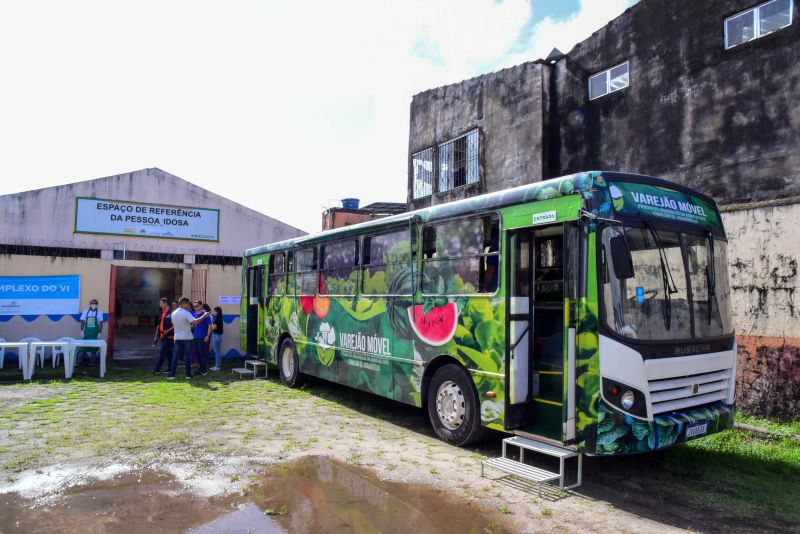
<point>276,278</point>
<point>305,278</point>
<point>338,274</point>
<point>461,256</point>
<point>422,163</point>
<point>387,263</point>
<point>458,161</point>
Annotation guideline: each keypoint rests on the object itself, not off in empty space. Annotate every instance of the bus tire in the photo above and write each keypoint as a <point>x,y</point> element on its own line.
<point>453,406</point>
<point>289,364</point>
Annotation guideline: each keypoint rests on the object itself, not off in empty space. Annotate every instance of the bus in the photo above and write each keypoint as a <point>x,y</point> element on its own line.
<point>590,311</point>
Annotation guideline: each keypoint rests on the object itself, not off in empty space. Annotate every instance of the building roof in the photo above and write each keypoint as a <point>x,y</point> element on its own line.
<point>46,217</point>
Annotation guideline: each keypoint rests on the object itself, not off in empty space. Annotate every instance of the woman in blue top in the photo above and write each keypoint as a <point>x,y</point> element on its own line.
<point>201,334</point>
<point>217,328</point>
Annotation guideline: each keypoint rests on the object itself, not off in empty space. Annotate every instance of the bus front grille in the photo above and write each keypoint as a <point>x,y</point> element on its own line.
<point>667,395</point>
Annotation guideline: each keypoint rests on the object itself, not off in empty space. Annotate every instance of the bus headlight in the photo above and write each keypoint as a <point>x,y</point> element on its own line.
<point>627,400</point>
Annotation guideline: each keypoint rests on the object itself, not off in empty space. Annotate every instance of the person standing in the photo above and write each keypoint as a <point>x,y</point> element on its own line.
<point>182,322</point>
<point>217,328</point>
<point>202,335</point>
<point>166,333</point>
<point>91,327</point>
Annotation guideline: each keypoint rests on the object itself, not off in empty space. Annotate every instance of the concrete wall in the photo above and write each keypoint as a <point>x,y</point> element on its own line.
<point>724,122</point>
<point>763,240</point>
<point>339,217</point>
<point>506,106</point>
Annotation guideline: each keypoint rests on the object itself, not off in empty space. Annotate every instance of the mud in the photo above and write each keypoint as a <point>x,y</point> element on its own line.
<point>312,494</point>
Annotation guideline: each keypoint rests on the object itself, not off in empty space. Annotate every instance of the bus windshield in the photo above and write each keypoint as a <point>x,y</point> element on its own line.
<point>662,301</point>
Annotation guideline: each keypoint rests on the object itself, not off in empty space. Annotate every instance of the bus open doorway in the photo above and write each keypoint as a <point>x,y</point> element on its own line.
<point>537,355</point>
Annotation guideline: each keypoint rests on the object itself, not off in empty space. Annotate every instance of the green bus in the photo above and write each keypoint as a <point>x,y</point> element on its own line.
<point>590,311</point>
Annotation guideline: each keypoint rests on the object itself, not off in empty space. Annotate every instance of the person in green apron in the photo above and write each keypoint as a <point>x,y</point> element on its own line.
<point>91,326</point>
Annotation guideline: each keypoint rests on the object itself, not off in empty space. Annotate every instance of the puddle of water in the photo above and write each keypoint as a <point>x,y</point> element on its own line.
<point>313,494</point>
<point>326,496</point>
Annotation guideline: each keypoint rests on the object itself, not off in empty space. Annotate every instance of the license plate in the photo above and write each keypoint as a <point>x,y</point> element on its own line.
<point>696,430</point>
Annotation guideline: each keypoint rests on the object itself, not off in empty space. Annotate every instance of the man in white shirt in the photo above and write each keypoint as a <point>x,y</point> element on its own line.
<point>182,321</point>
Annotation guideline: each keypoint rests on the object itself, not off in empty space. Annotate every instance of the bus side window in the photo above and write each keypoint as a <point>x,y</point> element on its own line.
<point>387,259</point>
<point>490,262</point>
<point>276,279</point>
<point>461,256</point>
<point>338,274</point>
<point>429,242</point>
<point>306,272</point>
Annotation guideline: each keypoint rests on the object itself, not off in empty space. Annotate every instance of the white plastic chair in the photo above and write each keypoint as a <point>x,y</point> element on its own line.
<point>39,350</point>
<point>2,353</point>
<point>58,352</point>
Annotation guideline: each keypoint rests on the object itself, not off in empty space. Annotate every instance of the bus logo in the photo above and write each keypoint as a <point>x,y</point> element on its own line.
<point>326,337</point>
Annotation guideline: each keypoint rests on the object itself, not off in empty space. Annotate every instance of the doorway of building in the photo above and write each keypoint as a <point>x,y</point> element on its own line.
<point>137,293</point>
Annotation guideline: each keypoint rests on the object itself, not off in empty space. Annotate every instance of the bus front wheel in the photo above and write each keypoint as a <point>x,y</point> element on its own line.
<point>289,364</point>
<point>453,406</point>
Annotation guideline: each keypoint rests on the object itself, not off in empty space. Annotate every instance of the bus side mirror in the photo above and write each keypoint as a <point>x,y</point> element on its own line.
<point>621,257</point>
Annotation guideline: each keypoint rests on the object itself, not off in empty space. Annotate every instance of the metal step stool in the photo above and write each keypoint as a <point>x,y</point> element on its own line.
<point>256,364</point>
<point>523,470</point>
<point>244,371</point>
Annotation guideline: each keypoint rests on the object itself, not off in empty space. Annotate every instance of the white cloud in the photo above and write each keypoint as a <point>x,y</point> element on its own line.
<point>280,106</point>
<point>566,33</point>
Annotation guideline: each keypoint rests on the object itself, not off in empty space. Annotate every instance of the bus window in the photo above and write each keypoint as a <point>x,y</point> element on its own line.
<point>305,263</point>
<point>461,257</point>
<point>386,256</point>
<point>276,279</point>
<point>339,271</point>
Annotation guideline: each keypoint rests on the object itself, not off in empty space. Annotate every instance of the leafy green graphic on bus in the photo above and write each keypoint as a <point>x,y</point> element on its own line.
<point>619,433</point>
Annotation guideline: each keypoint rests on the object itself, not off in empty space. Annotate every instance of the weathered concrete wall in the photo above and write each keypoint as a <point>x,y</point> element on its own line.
<point>763,243</point>
<point>508,109</point>
<point>725,122</point>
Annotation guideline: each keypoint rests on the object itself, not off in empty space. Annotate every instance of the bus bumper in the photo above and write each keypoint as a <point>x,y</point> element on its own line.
<point>618,433</point>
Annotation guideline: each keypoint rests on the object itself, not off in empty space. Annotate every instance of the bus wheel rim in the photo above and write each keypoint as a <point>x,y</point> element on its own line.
<point>287,361</point>
<point>450,405</point>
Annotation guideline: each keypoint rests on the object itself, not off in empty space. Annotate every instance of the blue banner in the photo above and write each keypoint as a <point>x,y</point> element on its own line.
<point>38,295</point>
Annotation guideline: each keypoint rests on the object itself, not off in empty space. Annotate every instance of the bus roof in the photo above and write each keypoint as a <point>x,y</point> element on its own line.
<point>573,184</point>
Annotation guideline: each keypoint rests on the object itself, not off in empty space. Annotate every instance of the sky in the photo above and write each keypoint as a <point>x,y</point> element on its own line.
<point>284,107</point>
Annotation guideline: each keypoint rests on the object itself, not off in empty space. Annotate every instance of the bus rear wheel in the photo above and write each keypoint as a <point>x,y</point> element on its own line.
<point>453,406</point>
<point>289,364</point>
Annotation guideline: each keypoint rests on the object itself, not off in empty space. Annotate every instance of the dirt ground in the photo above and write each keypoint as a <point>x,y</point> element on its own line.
<point>215,434</point>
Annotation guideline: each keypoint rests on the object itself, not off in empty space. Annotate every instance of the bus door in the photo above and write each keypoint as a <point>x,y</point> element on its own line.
<point>519,404</point>
<point>535,351</point>
<point>255,296</point>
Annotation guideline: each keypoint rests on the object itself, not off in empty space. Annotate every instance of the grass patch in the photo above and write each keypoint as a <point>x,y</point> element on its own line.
<point>747,476</point>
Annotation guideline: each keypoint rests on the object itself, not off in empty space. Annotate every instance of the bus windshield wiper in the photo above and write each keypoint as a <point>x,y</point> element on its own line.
<point>666,277</point>
<point>711,274</point>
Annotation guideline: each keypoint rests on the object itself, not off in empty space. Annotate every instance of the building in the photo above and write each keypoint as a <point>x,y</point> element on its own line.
<point>350,213</point>
<point>126,240</point>
<point>700,93</point>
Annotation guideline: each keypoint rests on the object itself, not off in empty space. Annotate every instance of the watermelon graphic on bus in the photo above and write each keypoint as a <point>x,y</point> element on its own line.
<point>436,327</point>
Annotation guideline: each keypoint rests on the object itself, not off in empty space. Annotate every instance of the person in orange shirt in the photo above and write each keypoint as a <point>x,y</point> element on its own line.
<point>166,333</point>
